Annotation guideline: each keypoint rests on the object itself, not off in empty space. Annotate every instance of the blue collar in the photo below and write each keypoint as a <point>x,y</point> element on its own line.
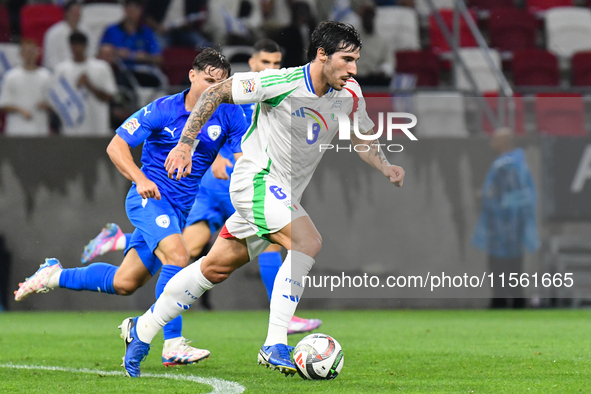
<point>308,79</point>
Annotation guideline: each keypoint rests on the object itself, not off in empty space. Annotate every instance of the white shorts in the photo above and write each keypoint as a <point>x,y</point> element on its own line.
<point>263,206</point>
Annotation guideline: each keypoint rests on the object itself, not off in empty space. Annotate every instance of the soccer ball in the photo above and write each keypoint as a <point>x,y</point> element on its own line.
<point>318,357</point>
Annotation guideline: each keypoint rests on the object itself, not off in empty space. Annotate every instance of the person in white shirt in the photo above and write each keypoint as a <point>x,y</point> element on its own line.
<point>81,91</point>
<point>23,95</point>
<point>56,47</point>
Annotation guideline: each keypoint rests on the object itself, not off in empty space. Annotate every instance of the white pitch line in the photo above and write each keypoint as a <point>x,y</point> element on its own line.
<point>220,386</point>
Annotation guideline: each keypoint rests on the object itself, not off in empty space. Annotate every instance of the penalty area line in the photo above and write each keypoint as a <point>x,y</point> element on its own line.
<point>220,386</point>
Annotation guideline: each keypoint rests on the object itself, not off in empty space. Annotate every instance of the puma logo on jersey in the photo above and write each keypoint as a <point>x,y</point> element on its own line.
<point>170,131</point>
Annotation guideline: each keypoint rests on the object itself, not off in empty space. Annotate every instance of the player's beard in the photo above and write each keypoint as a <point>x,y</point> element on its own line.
<point>333,76</point>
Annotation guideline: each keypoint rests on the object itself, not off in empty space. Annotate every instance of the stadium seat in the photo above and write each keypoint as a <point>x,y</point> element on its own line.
<point>568,30</point>
<point>560,114</point>
<point>9,57</point>
<point>440,114</point>
<point>535,67</point>
<point>581,69</point>
<point>4,24</point>
<point>176,63</point>
<point>493,101</point>
<point>511,29</point>
<point>543,5</point>
<point>424,10</point>
<point>37,18</point>
<point>475,61</point>
<point>399,26</point>
<point>96,18</point>
<point>438,42</point>
<point>424,64</point>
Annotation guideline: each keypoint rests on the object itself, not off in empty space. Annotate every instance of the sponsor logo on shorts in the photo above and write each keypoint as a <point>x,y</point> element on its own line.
<point>131,125</point>
<point>144,202</point>
<point>248,85</point>
<point>163,221</point>
<point>214,132</point>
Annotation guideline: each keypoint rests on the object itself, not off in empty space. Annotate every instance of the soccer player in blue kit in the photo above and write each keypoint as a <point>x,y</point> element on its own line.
<point>156,205</point>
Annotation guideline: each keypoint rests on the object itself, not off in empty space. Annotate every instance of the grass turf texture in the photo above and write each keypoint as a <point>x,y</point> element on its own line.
<point>385,351</point>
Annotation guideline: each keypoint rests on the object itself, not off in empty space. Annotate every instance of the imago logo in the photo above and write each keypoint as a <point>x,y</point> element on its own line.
<point>345,131</point>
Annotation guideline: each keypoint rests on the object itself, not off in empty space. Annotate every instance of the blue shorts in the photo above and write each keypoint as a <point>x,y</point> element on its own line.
<point>153,221</point>
<point>213,206</point>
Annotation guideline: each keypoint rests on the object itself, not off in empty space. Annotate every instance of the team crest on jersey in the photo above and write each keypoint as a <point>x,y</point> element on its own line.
<point>214,132</point>
<point>163,221</point>
<point>131,125</point>
<point>247,85</point>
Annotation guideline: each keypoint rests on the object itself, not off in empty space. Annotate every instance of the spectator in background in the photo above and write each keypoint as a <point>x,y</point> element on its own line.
<point>296,37</point>
<point>56,47</point>
<point>178,22</point>
<point>82,90</point>
<point>24,93</point>
<point>134,45</point>
<point>376,66</point>
<point>507,224</point>
<point>343,12</point>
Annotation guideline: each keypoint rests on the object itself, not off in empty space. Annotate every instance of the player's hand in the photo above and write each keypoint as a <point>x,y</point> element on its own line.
<point>147,189</point>
<point>219,167</point>
<point>83,81</point>
<point>395,174</point>
<point>179,160</point>
<point>25,114</point>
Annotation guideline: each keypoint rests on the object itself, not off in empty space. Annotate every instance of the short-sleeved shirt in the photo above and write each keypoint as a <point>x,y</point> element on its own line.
<point>81,112</point>
<point>142,40</point>
<point>286,102</point>
<point>159,126</point>
<point>26,89</point>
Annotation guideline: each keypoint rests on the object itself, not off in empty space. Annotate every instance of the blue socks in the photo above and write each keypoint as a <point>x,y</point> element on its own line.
<point>173,328</point>
<point>269,264</point>
<point>95,277</point>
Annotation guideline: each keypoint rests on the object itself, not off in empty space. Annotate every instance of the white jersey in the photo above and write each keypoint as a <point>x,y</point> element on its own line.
<point>56,44</point>
<point>26,89</point>
<point>81,112</point>
<point>278,139</point>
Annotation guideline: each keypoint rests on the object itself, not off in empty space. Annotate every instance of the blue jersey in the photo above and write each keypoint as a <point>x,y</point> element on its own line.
<point>211,182</point>
<point>159,126</point>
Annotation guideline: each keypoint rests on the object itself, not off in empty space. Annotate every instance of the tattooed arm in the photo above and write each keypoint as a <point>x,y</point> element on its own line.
<point>373,154</point>
<point>179,159</point>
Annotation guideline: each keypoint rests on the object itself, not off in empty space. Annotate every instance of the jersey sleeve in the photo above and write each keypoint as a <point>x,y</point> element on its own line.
<point>359,107</point>
<point>139,126</point>
<point>256,87</point>
<point>237,126</point>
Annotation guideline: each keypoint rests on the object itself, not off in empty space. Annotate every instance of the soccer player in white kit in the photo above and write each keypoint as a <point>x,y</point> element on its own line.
<point>279,158</point>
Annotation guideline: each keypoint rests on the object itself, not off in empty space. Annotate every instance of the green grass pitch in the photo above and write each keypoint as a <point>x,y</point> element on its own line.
<point>545,351</point>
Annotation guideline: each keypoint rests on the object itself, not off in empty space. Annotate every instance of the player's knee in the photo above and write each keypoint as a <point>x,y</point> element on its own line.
<point>125,287</point>
<point>180,258</point>
<point>310,245</point>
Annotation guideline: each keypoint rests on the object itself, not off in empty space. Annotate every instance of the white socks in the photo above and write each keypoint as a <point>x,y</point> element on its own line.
<point>287,290</point>
<point>179,294</point>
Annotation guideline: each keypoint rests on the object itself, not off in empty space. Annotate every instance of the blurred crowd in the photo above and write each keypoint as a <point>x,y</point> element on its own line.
<point>80,68</point>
